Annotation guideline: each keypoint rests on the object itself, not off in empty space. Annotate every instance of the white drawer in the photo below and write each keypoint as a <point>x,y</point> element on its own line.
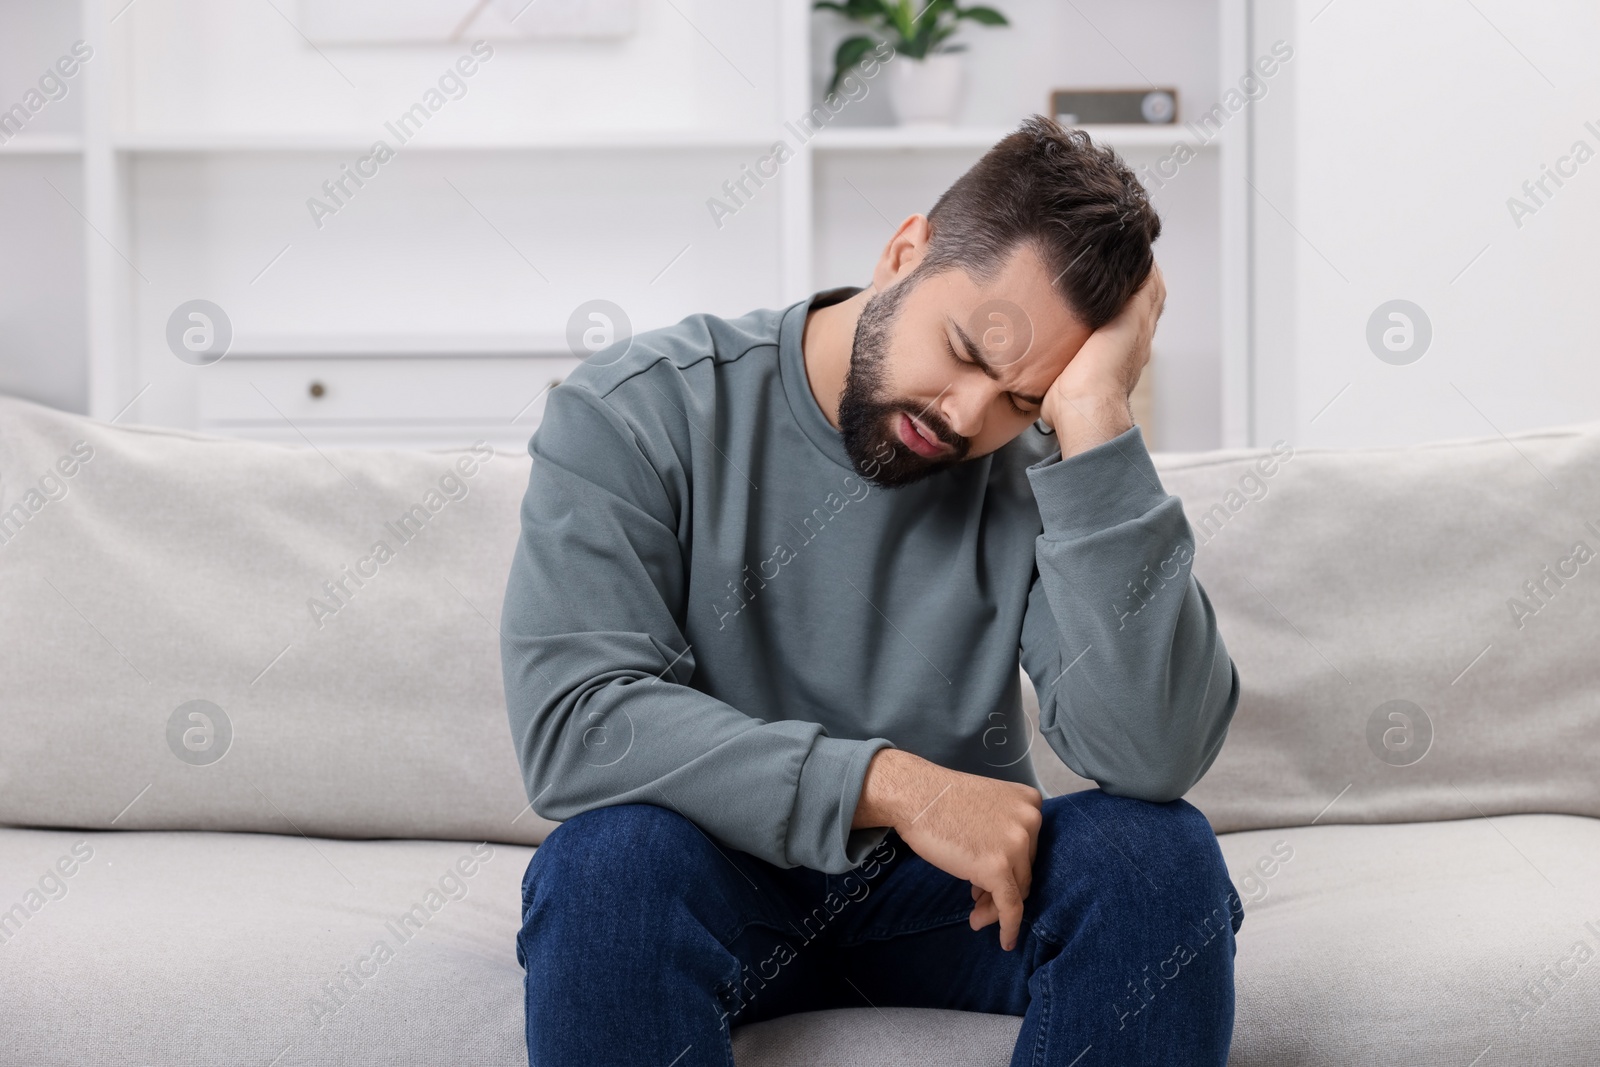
<point>323,391</point>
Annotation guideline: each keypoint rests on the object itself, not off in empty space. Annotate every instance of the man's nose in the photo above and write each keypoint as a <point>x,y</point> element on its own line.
<point>963,411</point>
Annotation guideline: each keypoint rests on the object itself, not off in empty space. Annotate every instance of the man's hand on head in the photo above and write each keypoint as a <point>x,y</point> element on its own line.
<point>981,830</point>
<point>1088,402</point>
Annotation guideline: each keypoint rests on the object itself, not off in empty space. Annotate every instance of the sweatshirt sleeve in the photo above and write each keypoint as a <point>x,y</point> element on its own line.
<point>597,669</point>
<point>1136,688</point>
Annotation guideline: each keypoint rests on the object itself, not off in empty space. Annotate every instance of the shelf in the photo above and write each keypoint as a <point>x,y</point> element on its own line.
<point>42,144</point>
<point>577,140</point>
<point>369,346</point>
<point>838,139</point>
<point>886,138</point>
<point>506,439</point>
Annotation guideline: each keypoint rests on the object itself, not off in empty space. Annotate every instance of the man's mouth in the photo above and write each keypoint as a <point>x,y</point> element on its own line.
<point>921,440</point>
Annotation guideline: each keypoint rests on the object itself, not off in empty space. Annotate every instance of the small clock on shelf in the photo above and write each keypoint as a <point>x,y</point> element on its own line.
<point>1116,107</point>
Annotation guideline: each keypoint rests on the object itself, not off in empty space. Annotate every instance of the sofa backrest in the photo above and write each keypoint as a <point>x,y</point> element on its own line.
<point>152,577</point>
<point>1414,628</point>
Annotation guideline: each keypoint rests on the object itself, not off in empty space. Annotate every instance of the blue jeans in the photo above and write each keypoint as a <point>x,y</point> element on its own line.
<point>644,941</point>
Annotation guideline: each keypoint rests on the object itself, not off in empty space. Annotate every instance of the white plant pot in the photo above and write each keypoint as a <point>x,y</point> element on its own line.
<point>926,92</point>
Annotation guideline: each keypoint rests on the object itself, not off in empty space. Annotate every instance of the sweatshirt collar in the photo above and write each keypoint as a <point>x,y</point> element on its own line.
<point>797,387</point>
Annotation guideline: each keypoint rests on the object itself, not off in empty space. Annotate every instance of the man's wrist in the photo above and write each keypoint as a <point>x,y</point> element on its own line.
<point>885,789</point>
<point>1083,421</point>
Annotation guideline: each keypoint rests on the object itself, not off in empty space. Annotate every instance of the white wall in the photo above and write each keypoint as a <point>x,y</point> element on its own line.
<point>238,66</point>
<point>43,339</point>
<point>1384,172</point>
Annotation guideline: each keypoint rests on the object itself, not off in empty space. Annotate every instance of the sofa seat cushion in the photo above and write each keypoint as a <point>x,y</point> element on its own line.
<point>878,1037</point>
<point>1416,943</point>
<point>198,948</point>
<point>1407,943</point>
<point>1369,944</point>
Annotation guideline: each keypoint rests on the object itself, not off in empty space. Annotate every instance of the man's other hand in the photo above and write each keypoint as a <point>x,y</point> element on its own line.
<point>978,829</point>
<point>1088,402</point>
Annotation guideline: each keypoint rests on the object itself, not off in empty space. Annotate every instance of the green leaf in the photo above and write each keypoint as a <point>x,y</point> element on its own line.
<point>867,10</point>
<point>850,51</point>
<point>900,17</point>
<point>928,34</point>
<point>858,10</point>
<point>933,12</point>
<point>984,16</point>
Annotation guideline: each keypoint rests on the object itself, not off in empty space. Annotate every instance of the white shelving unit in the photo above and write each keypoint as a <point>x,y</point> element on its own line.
<point>569,141</point>
<point>201,139</point>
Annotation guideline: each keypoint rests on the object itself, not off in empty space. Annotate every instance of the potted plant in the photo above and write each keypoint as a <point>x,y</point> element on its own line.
<point>925,76</point>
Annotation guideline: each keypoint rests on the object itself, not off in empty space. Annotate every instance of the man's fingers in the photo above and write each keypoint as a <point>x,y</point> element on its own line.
<point>1155,289</point>
<point>984,912</point>
<point>1009,902</point>
<point>1022,867</point>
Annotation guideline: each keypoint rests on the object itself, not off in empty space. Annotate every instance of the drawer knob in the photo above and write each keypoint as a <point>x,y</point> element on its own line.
<point>317,390</point>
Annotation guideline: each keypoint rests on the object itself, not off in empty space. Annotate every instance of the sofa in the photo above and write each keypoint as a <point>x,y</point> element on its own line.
<point>259,804</point>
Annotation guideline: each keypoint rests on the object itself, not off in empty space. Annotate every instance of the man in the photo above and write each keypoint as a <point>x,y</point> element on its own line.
<point>761,645</point>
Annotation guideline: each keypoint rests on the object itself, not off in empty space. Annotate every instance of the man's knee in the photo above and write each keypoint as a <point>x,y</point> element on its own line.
<point>1142,849</point>
<point>624,851</point>
<point>606,879</point>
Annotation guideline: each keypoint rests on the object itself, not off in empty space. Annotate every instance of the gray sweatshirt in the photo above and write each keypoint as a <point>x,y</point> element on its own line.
<point>709,610</point>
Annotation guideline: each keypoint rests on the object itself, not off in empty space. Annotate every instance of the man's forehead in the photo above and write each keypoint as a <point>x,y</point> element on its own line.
<point>1022,285</point>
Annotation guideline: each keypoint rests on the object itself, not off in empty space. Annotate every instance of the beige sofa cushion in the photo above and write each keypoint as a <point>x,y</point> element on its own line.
<point>171,567</point>
<point>192,949</point>
<point>1347,580</point>
<point>1369,945</point>
<point>1364,577</point>
<point>1416,943</point>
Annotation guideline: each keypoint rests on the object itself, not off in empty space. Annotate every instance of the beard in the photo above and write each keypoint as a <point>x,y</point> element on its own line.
<point>868,415</point>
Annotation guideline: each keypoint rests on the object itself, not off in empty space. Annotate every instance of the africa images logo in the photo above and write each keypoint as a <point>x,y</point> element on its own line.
<point>199,733</point>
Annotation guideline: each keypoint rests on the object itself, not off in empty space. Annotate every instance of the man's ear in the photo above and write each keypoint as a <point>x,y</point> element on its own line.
<point>903,252</point>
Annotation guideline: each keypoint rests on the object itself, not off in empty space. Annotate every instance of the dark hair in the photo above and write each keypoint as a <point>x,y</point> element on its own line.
<point>1078,204</point>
